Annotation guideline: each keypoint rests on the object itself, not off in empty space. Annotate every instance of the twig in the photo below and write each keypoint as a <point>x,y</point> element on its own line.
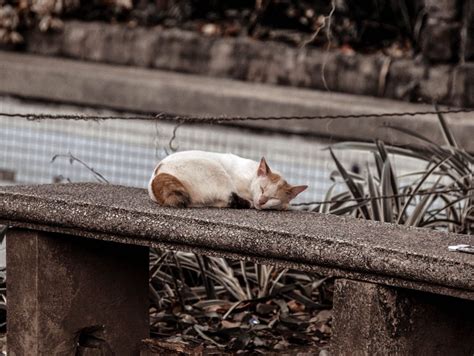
<point>73,158</point>
<point>328,34</point>
<point>199,330</point>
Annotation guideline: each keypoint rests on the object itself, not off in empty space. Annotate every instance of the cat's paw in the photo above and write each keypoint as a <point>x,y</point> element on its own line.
<point>236,202</point>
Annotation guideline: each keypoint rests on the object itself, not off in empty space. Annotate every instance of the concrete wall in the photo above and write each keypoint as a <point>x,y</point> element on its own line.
<point>442,72</point>
<point>263,62</point>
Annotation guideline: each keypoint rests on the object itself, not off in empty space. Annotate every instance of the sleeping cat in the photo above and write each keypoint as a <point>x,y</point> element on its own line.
<point>207,179</point>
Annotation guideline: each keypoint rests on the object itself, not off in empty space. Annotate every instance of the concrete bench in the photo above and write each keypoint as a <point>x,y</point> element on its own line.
<point>77,256</point>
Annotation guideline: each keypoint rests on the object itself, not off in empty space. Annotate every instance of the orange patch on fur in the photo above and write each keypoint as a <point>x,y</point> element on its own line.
<point>273,177</point>
<point>285,191</point>
<point>169,191</point>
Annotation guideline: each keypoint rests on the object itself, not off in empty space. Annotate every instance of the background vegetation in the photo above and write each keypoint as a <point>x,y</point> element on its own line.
<point>393,26</point>
<point>439,195</point>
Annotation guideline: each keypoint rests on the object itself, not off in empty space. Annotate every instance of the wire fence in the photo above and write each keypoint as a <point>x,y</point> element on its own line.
<point>163,116</point>
<point>64,143</point>
<point>125,152</point>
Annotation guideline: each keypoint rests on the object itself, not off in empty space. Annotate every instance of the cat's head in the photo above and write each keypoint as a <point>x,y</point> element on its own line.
<point>271,191</point>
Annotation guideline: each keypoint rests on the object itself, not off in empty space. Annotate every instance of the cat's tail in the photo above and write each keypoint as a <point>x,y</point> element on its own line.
<point>167,190</point>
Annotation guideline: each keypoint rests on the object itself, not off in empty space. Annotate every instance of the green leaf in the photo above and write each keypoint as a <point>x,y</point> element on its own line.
<point>373,194</point>
<point>378,164</point>
<point>419,212</point>
<point>386,186</point>
<point>410,133</point>
<point>353,188</point>
<point>448,136</point>
<point>3,232</point>
<point>440,222</point>
<point>348,208</point>
<point>417,188</point>
<point>324,208</point>
<point>387,168</point>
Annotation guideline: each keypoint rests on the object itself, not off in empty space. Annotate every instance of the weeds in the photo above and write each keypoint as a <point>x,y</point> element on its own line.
<point>439,195</point>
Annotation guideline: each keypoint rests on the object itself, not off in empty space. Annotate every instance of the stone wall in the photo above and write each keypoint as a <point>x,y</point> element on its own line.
<point>256,61</point>
<point>468,31</point>
<point>443,71</point>
<point>440,37</point>
<point>448,32</point>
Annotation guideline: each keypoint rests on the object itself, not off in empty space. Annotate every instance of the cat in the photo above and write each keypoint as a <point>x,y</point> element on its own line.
<point>221,180</point>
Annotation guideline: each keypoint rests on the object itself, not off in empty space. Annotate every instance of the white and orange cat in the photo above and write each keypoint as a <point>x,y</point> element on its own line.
<point>208,179</point>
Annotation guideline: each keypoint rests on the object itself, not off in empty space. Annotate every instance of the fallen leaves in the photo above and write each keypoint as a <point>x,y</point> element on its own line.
<point>286,308</point>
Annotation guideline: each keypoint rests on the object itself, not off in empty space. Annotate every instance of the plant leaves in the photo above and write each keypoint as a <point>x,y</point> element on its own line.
<point>448,136</point>
<point>373,194</point>
<point>353,188</point>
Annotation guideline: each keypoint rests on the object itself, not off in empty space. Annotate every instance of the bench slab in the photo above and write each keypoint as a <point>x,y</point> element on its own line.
<point>399,256</point>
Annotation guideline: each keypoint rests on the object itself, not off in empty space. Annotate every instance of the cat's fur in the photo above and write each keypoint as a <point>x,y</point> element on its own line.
<point>207,179</point>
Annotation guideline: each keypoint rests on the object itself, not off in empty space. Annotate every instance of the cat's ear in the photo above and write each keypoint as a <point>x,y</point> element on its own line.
<point>297,189</point>
<point>263,168</point>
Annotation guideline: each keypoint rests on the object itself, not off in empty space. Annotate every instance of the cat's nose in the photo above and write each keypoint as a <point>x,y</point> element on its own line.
<point>262,200</point>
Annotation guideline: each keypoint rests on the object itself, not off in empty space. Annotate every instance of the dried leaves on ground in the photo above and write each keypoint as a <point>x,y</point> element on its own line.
<point>236,306</point>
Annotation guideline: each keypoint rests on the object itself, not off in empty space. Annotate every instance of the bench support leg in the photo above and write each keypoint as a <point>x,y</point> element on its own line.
<point>371,319</point>
<point>58,285</point>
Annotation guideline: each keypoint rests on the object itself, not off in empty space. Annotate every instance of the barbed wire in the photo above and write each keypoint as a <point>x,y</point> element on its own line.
<point>381,197</point>
<point>225,119</point>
